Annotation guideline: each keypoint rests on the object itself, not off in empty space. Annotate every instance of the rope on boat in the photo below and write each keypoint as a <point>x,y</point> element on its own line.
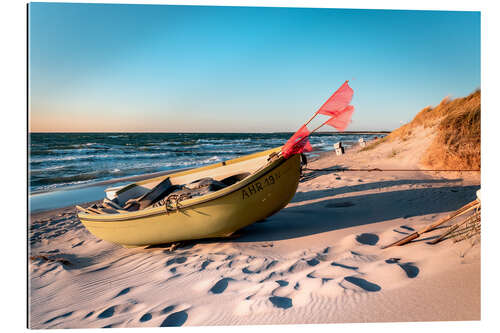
<point>172,202</point>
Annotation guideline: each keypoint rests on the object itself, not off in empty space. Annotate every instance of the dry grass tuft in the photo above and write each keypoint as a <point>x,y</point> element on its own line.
<point>427,117</point>
<point>457,145</point>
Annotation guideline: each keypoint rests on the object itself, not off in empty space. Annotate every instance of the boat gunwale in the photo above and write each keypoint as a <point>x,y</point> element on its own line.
<point>203,168</point>
<point>194,201</point>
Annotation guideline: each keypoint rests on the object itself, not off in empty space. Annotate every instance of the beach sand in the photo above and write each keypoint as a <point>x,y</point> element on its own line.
<point>319,260</point>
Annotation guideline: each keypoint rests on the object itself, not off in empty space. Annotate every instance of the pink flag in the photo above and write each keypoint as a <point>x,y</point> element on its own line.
<point>338,101</point>
<point>342,119</point>
<point>298,143</point>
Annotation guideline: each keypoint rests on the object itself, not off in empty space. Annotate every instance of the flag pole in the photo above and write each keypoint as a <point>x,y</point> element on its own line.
<point>314,130</point>
<point>315,114</point>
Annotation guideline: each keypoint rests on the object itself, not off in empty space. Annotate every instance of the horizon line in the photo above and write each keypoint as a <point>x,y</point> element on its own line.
<point>166,132</point>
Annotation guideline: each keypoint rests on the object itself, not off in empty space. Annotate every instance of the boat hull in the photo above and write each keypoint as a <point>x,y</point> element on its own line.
<point>219,215</point>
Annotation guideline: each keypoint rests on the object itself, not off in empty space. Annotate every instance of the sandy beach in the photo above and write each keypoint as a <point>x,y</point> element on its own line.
<point>319,260</point>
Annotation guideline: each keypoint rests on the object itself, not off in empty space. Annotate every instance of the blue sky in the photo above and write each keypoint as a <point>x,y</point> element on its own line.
<point>240,69</point>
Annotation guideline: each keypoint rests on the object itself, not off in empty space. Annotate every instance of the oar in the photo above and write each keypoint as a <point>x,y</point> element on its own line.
<point>416,234</point>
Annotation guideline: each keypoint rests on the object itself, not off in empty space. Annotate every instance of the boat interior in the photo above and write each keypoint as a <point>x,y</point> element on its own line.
<point>160,191</point>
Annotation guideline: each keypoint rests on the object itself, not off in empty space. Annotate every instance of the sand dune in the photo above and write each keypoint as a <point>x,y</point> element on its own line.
<point>319,260</point>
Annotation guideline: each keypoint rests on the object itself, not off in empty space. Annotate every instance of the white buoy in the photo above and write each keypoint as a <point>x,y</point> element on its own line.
<point>362,142</point>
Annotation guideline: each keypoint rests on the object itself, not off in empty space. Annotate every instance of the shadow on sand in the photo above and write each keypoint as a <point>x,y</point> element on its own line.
<point>328,214</point>
<point>333,214</point>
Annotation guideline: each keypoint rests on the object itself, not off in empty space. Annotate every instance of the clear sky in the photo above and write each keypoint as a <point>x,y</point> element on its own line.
<point>161,68</point>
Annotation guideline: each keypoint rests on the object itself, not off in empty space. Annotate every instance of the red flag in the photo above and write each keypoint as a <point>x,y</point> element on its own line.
<point>342,119</point>
<point>298,143</point>
<point>338,101</point>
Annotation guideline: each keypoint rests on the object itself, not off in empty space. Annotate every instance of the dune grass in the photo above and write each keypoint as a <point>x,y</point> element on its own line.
<point>457,145</point>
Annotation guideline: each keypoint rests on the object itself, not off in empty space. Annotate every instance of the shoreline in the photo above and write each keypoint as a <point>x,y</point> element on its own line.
<point>69,196</point>
<point>112,181</point>
<point>66,197</point>
<point>42,213</point>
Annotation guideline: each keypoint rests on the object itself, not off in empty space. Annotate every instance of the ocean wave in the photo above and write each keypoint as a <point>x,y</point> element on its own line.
<point>70,178</point>
<point>99,157</point>
<point>47,169</point>
<point>60,181</point>
<point>179,143</point>
<point>60,160</point>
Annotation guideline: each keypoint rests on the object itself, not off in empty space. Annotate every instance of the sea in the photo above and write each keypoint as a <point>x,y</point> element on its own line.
<point>61,161</point>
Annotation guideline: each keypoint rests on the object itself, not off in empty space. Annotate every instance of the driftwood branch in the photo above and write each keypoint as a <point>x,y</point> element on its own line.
<point>451,230</point>
<point>471,205</point>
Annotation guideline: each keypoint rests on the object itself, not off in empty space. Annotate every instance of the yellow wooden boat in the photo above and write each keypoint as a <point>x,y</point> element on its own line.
<point>259,185</point>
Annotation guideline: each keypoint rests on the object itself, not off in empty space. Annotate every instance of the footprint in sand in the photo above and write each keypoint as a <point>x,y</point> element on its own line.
<point>59,317</point>
<point>259,268</point>
<point>220,286</point>
<point>146,317</point>
<point>176,319</point>
<point>313,262</point>
<point>282,283</point>
<point>109,312</point>
<point>363,284</point>
<point>168,309</point>
<point>248,271</point>
<point>123,292</point>
<point>281,302</point>
<point>88,314</point>
<point>177,260</point>
<point>149,315</point>
<point>410,269</point>
<point>354,268</point>
<point>205,264</point>
<point>367,239</point>
<point>298,266</point>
